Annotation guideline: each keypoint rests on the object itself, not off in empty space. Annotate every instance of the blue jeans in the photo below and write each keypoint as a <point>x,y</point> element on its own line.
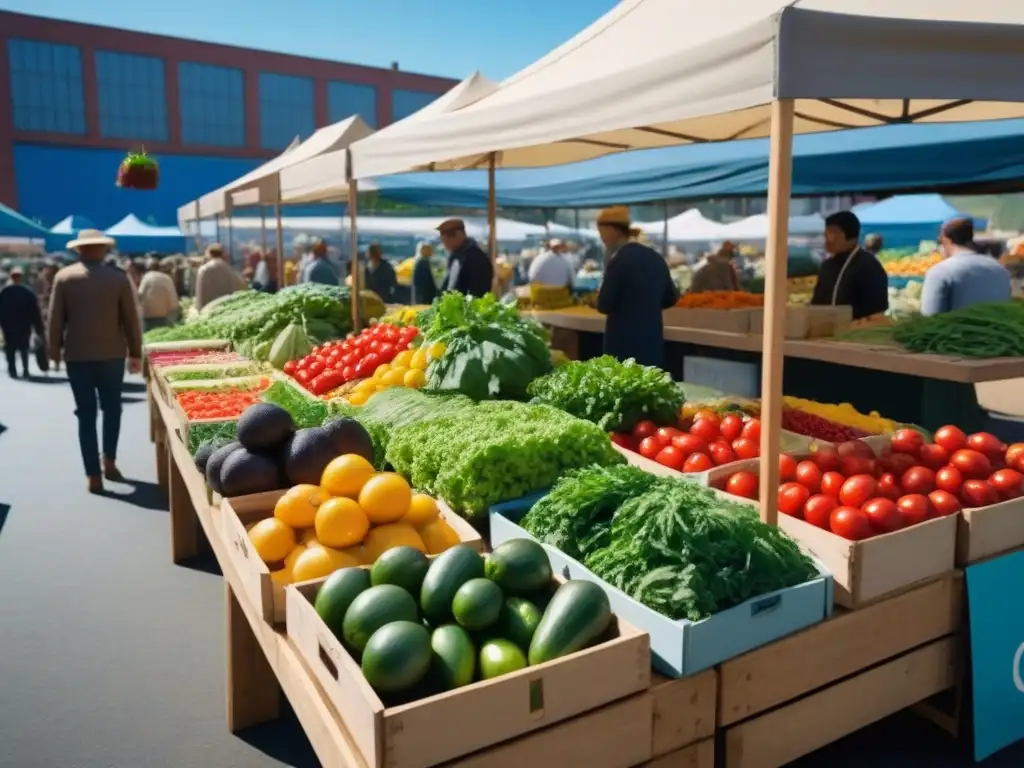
<point>100,379</point>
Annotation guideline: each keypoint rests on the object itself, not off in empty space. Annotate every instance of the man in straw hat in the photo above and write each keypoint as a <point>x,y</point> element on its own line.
<point>216,277</point>
<point>636,287</point>
<point>93,325</point>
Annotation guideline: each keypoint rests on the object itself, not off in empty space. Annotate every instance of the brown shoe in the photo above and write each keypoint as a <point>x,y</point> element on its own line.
<point>95,484</point>
<point>111,472</point>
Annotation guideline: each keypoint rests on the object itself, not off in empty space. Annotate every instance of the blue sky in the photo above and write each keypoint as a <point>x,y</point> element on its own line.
<point>441,37</point>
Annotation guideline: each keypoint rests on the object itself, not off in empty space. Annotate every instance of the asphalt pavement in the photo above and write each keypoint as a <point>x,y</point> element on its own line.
<point>112,657</point>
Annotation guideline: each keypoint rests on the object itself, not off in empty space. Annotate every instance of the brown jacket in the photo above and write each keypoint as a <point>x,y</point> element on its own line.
<point>93,315</point>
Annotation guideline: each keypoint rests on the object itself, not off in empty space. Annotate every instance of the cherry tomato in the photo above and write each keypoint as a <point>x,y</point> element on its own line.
<point>387,352</point>
<point>818,510</point>
<point>706,429</point>
<point>852,464</point>
<point>809,475</point>
<point>731,426</point>
<point>392,335</point>
<point>787,467</point>
<point>832,484</point>
<point>826,457</point>
<point>857,490</point>
<point>351,358</point>
<point>918,480</point>
<point>643,429</point>
<point>933,456</point>
<point>746,448</point>
<point>650,447</point>
<point>915,508</point>
<point>721,453</point>
<point>707,413</point>
<point>949,479</point>
<point>971,463</point>
<point>743,484</point>
<point>303,375</point>
<point>752,430</point>
<point>906,441</point>
<point>1008,482</point>
<point>671,457</point>
<point>1014,455</point>
<point>883,515</point>
<point>888,487</point>
<point>943,503</point>
<point>850,523</point>
<point>951,438</point>
<point>988,444</point>
<point>897,463</point>
<point>349,372</point>
<point>855,448</point>
<point>978,493</point>
<point>688,443</point>
<point>698,462</point>
<point>792,497</point>
<point>409,332</point>
<point>623,440</point>
<point>290,367</point>
<point>665,434</point>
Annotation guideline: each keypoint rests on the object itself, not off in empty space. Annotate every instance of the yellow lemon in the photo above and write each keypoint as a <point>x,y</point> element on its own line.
<point>403,359</point>
<point>436,350</point>
<point>422,509</point>
<point>366,385</point>
<point>273,539</point>
<point>385,498</point>
<point>282,577</point>
<point>384,537</point>
<point>297,507</point>
<point>438,536</point>
<point>359,553</point>
<point>394,377</point>
<point>381,370</point>
<point>341,522</point>
<point>381,386</point>
<point>419,359</point>
<point>346,475</point>
<point>309,538</point>
<point>289,562</point>
<point>414,378</point>
<point>360,398</point>
<point>319,562</point>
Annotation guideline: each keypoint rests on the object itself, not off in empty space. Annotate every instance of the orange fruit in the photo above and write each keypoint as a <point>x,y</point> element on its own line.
<point>273,539</point>
<point>346,475</point>
<point>289,562</point>
<point>383,537</point>
<point>422,509</point>
<point>282,577</point>
<point>385,498</point>
<point>309,538</point>
<point>438,536</point>
<point>297,507</point>
<point>318,562</point>
<point>341,522</point>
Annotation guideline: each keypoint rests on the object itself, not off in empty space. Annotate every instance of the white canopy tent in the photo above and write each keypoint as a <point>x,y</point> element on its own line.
<point>690,226</point>
<point>132,226</point>
<point>758,228</point>
<point>424,227</point>
<point>743,69</point>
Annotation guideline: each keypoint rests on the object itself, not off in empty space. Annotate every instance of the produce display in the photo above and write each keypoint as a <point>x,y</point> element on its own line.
<point>676,547</point>
<point>419,627</point>
<point>305,411</point>
<point>611,394</point>
<point>353,516</point>
<point>842,414</point>
<point>205,372</point>
<point>710,440</point>
<point>855,492</point>
<point>211,433</point>
<point>908,262</point>
<point>220,399</point>
<point>192,357</point>
<point>721,300</point>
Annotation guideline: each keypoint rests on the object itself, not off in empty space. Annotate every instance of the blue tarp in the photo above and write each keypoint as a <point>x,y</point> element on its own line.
<point>906,220</point>
<point>13,224</point>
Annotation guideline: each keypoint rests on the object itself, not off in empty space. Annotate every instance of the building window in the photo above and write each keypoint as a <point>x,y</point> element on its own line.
<point>212,105</point>
<point>131,93</point>
<point>287,110</point>
<point>46,87</point>
<point>347,99</point>
<point>405,103</point>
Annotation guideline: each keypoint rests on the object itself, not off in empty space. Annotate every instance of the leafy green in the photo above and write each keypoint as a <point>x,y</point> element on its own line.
<point>612,394</point>
<point>187,373</point>
<point>305,411</point>
<point>203,431</point>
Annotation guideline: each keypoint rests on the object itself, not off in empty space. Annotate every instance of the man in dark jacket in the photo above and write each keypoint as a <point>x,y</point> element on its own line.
<point>470,270</point>
<point>636,287</point>
<point>851,275</point>
<point>19,315</point>
<point>380,275</point>
<point>424,289</point>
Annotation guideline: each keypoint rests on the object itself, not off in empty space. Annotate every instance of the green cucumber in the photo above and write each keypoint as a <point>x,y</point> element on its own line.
<point>578,614</point>
<point>374,608</point>
<point>477,604</point>
<point>454,660</point>
<point>337,594</point>
<point>449,571</point>
<point>519,621</point>
<point>403,566</point>
<point>519,567</point>
<point>397,656</point>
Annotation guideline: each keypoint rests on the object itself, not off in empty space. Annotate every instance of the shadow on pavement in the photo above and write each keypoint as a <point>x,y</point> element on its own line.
<point>283,740</point>
<point>3,428</point>
<point>205,562</point>
<point>132,399</point>
<point>135,387</point>
<point>4,509</point>
<point>141,494</point>
<point>35,378</point>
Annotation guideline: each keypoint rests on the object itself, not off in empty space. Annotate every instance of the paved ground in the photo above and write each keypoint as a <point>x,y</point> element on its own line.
<point>112,657</point>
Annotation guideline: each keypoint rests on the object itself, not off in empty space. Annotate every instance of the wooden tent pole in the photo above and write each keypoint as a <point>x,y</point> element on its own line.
<point>279,242</point>
<point>353,212</point>
<point>780,182</point>
<point>492,220</point>
<point>263,231</point>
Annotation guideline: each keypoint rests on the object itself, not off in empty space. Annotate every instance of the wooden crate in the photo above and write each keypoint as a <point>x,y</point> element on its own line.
<point>238,512</point>
<point>726,320</point>
<point>699,755</point>
<point>684,711</point>
<point>989,531</point>
<point>807,322</point>
<point>790,698</point>
<point>485,713</point>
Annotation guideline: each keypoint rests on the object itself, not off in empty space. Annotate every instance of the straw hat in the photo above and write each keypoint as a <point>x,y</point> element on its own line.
<point>90,237</point>
<point>617,214</point>
<point>214,249</point>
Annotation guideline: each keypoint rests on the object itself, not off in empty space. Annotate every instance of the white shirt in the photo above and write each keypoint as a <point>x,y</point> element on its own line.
<point>551,268</point>
<point>157,294</point>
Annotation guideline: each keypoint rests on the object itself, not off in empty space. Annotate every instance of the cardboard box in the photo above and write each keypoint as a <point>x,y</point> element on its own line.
<point>725,320</point>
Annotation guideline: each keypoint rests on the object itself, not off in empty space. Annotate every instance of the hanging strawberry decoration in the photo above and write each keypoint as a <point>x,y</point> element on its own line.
<point>138,171</point>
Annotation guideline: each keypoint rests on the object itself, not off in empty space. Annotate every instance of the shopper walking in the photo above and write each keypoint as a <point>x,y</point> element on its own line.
<point>158,296</point>
<point>19,316</point>
<point>93,326</point>
<point>216,277</point>
<point>319,268</point>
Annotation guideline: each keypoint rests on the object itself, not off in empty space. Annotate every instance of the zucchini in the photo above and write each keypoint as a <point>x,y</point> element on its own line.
<point>578,614</point>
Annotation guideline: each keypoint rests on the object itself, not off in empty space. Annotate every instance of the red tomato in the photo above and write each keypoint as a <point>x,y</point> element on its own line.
<point>832,483</point>
<point>688,443</point>
<point>888,487</point>
<point>855,448</point>
<point>650,447</point>
<point>951,438</point>
<point>943,503</point>
<point>787,467</point>
<point>743,484</point>
<point>746,448</point>
<point>375,345</point>
<point>665,434</point>
<point>792,497</point>
<point>643,429</point>
<point>884,515</point>
<point>1014,454</point>
<point>906,441</point>
<point>918,480</point>
<point>1009,483</point>
<point>818,510</point>
<point>392,335</point>
<point>809,476</point>
<point>349,372</point>
<point>303,375</point>
<point>850,523</point>
<point>978,493</point>
<point>731,426</point>
<point>698,462</point>
<point>623,440</point>
<point>315,368</point>
<point>752,430</point>
<point>857,490</point>
<point>971,463</point>
<point>915,508</point>
<point>706,429</point>
<point>671,457</point>
<point>707,413</point>
<point>852,464</point>
<point>387,352</point>
<point>290,367</point>
<point>721,453</point>
<point>897,463</point>
<point>826,457</point>
<point>409,332</point>
<point>949,479</point>
<point>988,444</point>
<point>933,456</point>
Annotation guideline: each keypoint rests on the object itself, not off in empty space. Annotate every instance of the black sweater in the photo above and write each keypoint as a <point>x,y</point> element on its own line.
<point>864,285</point>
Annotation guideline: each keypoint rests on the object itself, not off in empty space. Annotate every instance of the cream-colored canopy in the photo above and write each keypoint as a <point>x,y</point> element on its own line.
<point>653,73</point>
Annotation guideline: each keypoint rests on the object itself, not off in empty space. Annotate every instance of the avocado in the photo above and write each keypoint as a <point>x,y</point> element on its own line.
<point>263,427</point>
<point>349,436</point>
<point>245,472</point>
<point>310,452</point>
<point>205,451</point>
<point>216,461</point>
